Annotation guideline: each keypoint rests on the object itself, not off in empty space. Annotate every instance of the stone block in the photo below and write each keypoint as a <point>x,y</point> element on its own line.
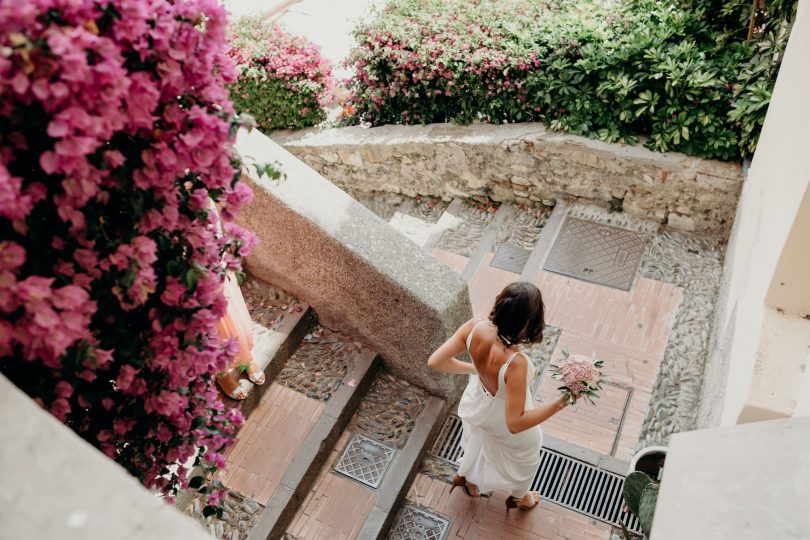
<point>329,157</point>
<point>350,157</point>
<point>681,222</point>
<point>716,182</point>
<point>585,158</point>
<point>519,180</point>
<point>359,274</point>
<point>502,194</point>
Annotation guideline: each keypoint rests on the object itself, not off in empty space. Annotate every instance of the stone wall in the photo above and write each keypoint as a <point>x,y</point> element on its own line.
<point>523,163</point>
<point>360,275</point>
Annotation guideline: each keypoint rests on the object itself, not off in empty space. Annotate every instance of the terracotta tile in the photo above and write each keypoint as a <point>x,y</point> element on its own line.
<point>264,448</point>
<point>457,263</point>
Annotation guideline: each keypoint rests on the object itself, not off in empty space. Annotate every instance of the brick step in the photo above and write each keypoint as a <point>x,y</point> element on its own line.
<point>280,322</point>
<point>340,507</point>
<point>287,438</point>
<point>292,422</point>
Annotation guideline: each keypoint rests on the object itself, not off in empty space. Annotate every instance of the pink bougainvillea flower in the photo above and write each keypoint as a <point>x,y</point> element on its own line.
<point>110,271</point>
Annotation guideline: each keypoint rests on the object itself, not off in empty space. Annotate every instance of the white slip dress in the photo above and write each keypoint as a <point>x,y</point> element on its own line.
<point>495,459</point>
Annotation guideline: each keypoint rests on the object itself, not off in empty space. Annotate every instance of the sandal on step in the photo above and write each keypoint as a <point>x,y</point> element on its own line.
<point>232,388</point>
<point>255,374</point>
<point>514,502</point>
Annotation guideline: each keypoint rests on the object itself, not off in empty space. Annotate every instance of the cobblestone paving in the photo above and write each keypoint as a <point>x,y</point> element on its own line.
<point>523,226</point>
<point>389,410</point>
<point>438,469</point>
<point>267,305</point>
<point>463,239</point>
<point>240,514</point>
<point>428,209</point>
<point>616,219</point>
<point>384,205</point>
<point>320,363</point>
<point>695,264</point>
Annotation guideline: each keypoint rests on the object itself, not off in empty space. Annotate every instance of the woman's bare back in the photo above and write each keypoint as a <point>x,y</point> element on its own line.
<point>488,355</point>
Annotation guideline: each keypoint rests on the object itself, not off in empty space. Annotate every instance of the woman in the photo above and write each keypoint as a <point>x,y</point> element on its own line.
<point>236,324</point>
<point>501,434</point>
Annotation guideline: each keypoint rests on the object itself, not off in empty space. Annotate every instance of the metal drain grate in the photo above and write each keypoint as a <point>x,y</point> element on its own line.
<point>448,444</point>
<point>510,258</point>
<point>365,460</point>
<point>414,523</point>
<point>597,253</point>
<point>563,480</point>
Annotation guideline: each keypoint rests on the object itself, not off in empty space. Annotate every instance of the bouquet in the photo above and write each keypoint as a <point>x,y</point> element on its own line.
<point>581,376</point>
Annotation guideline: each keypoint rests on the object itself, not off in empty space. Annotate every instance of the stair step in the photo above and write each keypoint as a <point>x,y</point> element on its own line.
<point>276,334</point>
<point>543,245</point>
<point>302,463</point>
<point>487,243</point>
<point>448,220</point>
<point>338,506</point>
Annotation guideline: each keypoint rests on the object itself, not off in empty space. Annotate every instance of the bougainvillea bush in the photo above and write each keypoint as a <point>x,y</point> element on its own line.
<point>615,71</point>
<point>283,82</point>
<point>116,129</point>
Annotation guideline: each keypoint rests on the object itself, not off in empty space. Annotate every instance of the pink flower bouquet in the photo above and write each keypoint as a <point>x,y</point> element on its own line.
<point>581,376</point>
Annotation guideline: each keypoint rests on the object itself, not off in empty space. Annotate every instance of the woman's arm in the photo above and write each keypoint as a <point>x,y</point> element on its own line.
<point>444,357</point>
<point>517,418</point>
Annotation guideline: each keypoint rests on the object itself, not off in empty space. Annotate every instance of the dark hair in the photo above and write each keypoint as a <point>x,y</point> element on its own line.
<point>519,313</point>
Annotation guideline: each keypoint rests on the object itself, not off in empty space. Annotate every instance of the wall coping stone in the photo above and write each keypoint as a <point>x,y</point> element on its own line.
<point>361,276</point>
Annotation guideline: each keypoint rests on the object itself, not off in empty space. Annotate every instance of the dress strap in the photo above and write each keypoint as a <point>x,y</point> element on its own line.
<point>504,367</point>
<point>470,335</point>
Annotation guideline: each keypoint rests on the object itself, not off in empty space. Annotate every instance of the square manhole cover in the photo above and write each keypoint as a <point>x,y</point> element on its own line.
<point>365,460</point>
<point>510,257</point>
<point>414,523</point>
<point>597,253</point>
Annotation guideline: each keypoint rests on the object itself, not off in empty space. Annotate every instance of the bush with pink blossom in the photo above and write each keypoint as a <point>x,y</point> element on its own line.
<point>283,82</point>
<point>116,131</point>
<point>664,73</point>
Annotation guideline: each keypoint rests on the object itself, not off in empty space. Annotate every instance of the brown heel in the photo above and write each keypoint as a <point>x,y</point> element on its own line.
<point>457,481</point>
<point>514,502</point>
<point>462,481</point>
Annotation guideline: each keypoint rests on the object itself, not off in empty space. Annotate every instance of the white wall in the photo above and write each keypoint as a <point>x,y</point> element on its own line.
<point>769,204</point>
<point>59,487</point>
<point>749,482</point>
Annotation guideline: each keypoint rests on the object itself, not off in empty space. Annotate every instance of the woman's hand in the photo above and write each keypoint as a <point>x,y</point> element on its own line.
<point>519,419</point>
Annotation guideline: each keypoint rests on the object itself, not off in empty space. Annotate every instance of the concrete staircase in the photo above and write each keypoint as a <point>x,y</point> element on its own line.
<point>321,389</point>
<point>479,241</point>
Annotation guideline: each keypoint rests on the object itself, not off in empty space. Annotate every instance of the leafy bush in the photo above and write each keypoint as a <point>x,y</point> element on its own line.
<point>116,132</point>
<point>608,71</point>
<point>284,82</point>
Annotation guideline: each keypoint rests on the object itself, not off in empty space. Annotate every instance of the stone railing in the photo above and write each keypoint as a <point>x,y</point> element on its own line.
<point>523,163</point>
<point>359,274</point>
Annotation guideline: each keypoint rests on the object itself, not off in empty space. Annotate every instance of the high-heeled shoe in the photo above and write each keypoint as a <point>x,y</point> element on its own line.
<point>514,502</point>
<point>462,481</point>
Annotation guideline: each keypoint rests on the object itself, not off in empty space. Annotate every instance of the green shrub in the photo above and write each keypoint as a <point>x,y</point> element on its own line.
<point>284,82</point>
<point>609,71</point>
